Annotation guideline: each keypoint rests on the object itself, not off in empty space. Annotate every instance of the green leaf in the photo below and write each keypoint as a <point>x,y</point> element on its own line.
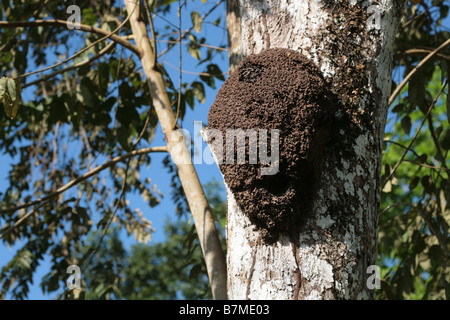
<point>414,182</point>
<point>3,88</point>
<point>196,21</point>
<point>448,103</point>
<point>444,69</point>
<point>416,89</point>
<point>195,271</point>
<point>444,139</point>
<point>88,17</point>
<point>10,95</point>
<point>199,91</point>
<point>189,96</point>
<point>398,108</point>
<point>215,71</point>
<point>84,96</point>
<point>194,48</point>
<point>217,22</point>
<point>406,124</point>
<point>447,289</point>
<point>12,89</point>
<point>209,80</point>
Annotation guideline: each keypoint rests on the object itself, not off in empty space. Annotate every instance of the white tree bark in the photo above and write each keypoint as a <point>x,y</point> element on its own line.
<point>339,240</point>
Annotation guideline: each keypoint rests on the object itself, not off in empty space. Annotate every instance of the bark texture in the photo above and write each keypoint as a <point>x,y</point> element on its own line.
<point>329,257</point>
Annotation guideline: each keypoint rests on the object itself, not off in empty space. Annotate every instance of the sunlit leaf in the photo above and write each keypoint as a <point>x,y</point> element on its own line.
<point>196,21</point>
<point>199,91</point>
<point>10,96</point>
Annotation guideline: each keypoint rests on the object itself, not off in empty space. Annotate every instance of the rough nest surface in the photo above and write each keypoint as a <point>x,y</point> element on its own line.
<point>276,89</point>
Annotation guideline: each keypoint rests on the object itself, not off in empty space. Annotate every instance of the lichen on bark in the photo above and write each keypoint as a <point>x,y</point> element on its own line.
<point>340,237</point>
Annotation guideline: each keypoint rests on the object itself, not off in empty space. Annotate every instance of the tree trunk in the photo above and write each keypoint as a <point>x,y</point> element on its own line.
<point>352,43</point>
<point>204,222</point>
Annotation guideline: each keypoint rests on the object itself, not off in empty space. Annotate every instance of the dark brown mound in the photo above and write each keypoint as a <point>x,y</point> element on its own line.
<point>276,89</point>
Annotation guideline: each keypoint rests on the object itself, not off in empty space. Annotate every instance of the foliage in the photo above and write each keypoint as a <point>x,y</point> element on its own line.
<point>414,215</point>
<point>173,269</point>
<point>77,117</point>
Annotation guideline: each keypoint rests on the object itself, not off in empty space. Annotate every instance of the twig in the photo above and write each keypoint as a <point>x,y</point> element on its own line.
<point>18,222</point>
<point>87,175</point>
<point>75,66</point>
<point>427,166</point>
<point>77,53</point>
<point>427,222</point>
<point>186,32</point>
<point>180,65</point>
<point>83,27</point>
<point>423,51</point>
<point>199,44</point>
<point>415,136</point>
<point>201,212</point>
<point>417,155</point>
<point>411,73</point>
<point>192,72</point>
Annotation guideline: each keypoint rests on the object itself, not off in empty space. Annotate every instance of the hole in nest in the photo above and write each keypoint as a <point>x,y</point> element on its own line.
<point>276,185</point>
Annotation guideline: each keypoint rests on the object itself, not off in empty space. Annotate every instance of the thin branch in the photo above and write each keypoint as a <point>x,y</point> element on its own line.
<point>22,219</point>
<point>415,136</point>
<point>87,175</point>
<point>122,192</point>
<point>186,32</point>
<point>180,65</point>
<point>402,146</point>
<point>417,155</point>
<point>413,71</point>
<point>428,166</point>
<point>199,44</point>
<point>423,51</point>
<point>193,72</point>
<point>427,222</point>
<point>88,146</point>
<point>198,204</point>
<point>83,27</point>
<point>77,53</point>
<point>413,19</point>
<point>75,66</point>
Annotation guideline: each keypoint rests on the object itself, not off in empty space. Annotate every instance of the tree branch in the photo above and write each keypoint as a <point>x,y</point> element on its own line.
<point>201,212</point>
<point>422,51</point>
<point>60,23</point>
<point>437,234</point>
<point>77,53</point>
<point>415,136</point>
<point>405,81</point>
<point>186,32</point>
<point>85,176</point>
<point>75,66</point>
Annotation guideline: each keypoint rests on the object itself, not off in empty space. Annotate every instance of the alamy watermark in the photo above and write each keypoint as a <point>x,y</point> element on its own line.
<point>373,281</point>
<point>73,22</point>
<point>235,140</point>
<point>73,281</point>
<point>374,19</point>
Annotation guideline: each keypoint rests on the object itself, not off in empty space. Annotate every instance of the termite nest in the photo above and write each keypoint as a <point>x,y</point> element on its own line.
<point>277,89</point>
